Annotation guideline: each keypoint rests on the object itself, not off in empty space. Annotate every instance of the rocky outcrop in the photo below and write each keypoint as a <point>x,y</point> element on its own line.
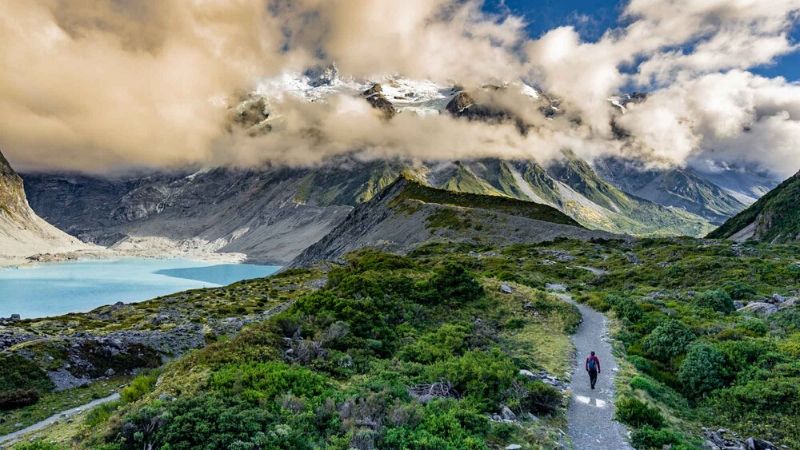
<point>375,97</point>
<point>723,439</point>
<point>22,232</point>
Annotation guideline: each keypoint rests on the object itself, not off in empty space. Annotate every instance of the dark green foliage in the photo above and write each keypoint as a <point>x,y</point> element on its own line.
<point>539,398</point>
<point>717,299</point>
<point>704,370</point>
<point>481,375</point>
<point>18,398</point>
<point>17,372</point>
<point>452,284</point>
<point>100,414</point>
<point>633,411</point>
<point>647,438</point>
<point>625,308</point>
<point>668,340</point>
<point>738,290</point>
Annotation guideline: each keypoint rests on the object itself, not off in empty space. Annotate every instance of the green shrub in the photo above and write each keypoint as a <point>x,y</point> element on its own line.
<point>704,369</point>
<point>717,299</point>
<point>447,341</point>
<point>634,412</point>
<point>17,372</point>
<point>625,308</point>
<point>541,398</point>
<point>18,398</point>
<point>259,382</point>
<point>480,375</point>
<point>738,290</point>
<point>649,438</point>
<point>139,387</point>
<point>668,340</point>
<point>100,414</point>
<point>452,284</point>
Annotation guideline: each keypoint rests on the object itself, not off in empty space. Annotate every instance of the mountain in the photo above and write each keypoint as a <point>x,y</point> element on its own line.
<point>22,232</point>
<point>273,213</point>
<point>408,213</point>
<point>773,218</point>
<point>683,188</point>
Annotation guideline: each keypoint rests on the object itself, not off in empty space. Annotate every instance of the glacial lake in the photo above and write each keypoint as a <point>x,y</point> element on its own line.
<point>77,286</point>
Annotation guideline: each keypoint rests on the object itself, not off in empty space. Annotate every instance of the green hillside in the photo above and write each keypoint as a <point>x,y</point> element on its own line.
<point>773,218</point>
<point>417,191</point>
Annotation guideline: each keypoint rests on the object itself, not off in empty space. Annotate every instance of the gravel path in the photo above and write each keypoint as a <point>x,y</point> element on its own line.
<point>591,412</point>
<point>63,415</point>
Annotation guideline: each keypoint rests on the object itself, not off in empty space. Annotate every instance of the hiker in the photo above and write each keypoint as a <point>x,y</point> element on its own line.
<point>593,367</point>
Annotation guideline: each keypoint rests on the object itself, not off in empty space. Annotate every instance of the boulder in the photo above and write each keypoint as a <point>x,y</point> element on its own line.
<point>506,289</point>
<point>759,309</point>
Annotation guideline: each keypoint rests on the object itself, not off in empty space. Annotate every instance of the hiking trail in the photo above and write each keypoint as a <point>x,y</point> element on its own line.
<point>591,412</point>
<point>16,436</point>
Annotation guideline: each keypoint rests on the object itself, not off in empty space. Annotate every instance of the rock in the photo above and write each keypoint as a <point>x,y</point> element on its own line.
<point>757,444</point>
<point>375,97</point>
<point>738,304</point>
<point>507,414</point>
<point>759,309</point>
<point>506,289</point>
<point>513,447</point>
<point>632,258</point>
<point>110,372</point>
<point>15,318</point>
<point>777,298</point>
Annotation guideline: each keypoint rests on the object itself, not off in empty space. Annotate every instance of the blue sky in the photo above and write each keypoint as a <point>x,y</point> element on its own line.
<point>593,17</point>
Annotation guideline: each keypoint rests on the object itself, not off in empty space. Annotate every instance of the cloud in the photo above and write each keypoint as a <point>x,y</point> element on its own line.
<point>98,85</point>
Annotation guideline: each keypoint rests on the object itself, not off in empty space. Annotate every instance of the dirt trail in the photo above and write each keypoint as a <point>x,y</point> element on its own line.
<point>591,412</point>
<point>12,438</point>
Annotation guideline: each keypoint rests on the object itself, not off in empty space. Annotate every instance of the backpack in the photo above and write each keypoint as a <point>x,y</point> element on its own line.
<point>592,364</point>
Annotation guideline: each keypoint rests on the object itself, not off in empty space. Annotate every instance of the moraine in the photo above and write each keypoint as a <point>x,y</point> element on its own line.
<point>78,286</point>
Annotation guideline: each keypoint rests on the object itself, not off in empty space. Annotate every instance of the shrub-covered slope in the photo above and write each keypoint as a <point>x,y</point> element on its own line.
<point>773,218</point>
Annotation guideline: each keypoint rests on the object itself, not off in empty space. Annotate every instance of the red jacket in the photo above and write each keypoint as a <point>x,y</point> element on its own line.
<point>596,362</point>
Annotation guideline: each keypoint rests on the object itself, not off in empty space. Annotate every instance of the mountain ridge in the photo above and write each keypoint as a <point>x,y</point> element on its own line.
<point>774,218</point>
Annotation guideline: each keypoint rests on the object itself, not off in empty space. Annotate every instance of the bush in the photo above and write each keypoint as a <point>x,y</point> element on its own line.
<point>100,414</point>
<point>625,308</point>
<point>718,300</point>
<point>668,340</point>
<point>704,370</point>
<point>634,412</point>
<point>17,372</point>
<point>18,398</point>
<point>647,438</point>
<point>541,398</point>
<point>480,375</point>
<point>449,340</point>
<point>139,387</point>
<point>738,290</point>
<point>260,382</point>
<point>452,284</point>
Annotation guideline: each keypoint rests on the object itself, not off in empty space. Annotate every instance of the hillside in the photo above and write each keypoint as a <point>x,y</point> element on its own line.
<point>22,232</point>
<point>408,213</point>
<point>773,218</point>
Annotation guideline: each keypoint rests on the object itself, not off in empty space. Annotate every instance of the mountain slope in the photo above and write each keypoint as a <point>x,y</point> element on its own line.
<point>408,213</point>
<point>773,218</point>
<point>22,232</point>
<point>676,187</point>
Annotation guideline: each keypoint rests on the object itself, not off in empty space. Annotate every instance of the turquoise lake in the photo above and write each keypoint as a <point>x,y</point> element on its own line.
<point>79,286</point>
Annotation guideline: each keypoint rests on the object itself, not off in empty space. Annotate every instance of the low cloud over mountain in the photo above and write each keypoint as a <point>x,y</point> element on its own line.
<point>109,85</point>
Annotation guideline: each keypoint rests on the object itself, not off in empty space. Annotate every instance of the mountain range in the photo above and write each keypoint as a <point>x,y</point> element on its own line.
<point>272,213</point>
